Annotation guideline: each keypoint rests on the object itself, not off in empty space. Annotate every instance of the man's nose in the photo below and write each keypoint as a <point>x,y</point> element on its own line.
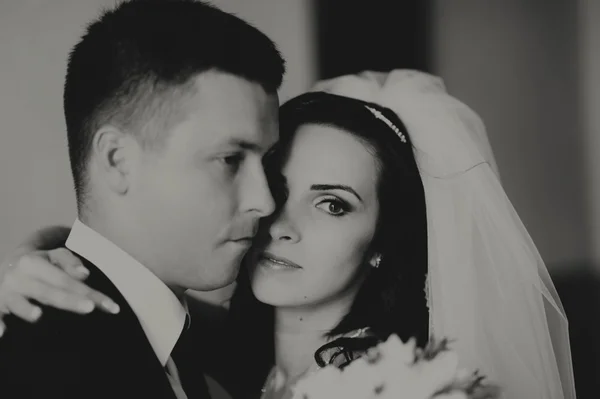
<point>256,195</point>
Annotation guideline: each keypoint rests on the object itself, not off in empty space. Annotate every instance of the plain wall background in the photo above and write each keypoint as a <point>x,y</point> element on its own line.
<point>588,60</point>
<point>518,64</point>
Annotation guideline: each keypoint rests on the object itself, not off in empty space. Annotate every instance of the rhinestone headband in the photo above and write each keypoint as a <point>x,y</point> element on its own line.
<point>385,120</point>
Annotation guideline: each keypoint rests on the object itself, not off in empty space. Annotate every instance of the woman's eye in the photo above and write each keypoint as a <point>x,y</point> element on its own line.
<point>334,207</point>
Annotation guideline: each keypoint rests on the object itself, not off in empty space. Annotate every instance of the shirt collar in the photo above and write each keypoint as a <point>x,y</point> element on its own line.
<point>159,311</point>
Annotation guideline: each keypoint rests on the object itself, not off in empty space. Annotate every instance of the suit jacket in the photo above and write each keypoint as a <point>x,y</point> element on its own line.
<point>99,355</point>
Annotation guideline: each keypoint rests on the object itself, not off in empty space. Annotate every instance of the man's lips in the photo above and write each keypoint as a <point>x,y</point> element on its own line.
<point>243,239</point>
<point>247,234</point>
<point>278,260</point>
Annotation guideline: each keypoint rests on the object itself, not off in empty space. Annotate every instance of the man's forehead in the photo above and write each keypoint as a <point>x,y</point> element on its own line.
<point>217,89</point>
<point>234,101</point>
<point>252,134</point>
<point>231,111</point>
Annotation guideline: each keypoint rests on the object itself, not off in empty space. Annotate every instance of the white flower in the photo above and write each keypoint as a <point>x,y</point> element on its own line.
<point>324,383</point>
<point>392,370</point>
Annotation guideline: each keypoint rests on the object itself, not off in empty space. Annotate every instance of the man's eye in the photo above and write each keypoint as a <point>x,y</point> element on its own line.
<point>232,160</point>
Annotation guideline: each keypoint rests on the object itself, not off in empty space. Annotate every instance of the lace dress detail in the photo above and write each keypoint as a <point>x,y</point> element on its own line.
<point>276,387</point>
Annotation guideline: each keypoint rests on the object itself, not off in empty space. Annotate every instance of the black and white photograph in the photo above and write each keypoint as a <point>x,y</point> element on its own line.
<point>299,199</point>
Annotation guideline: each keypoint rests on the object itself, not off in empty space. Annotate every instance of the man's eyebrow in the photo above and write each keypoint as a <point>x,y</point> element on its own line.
<point>325,187</point>
<point>248,145</point>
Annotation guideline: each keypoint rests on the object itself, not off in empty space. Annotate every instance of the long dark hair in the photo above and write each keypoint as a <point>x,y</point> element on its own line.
<point>392,297</point>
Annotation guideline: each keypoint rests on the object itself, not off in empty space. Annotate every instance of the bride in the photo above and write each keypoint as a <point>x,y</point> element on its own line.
<point>391,219</point>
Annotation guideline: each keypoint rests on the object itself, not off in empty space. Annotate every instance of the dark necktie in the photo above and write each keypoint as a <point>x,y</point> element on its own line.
<point>189,365</point>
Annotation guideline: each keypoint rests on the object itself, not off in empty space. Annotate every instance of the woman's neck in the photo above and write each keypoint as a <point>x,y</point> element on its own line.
<point>299,332</point>
<point>294,352</point>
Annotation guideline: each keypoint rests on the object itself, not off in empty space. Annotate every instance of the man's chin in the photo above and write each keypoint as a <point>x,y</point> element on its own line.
<point>214,283</point>
<point>218,297</point>
<point>229,280</point>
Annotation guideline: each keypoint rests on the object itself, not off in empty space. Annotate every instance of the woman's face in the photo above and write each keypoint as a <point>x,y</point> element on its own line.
<point>317,247</point>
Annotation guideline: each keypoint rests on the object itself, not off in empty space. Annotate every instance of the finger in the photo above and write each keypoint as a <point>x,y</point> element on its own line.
<point>39,265</point>
<point>68,294</point>
<point>39,268</point>
<point>104,302</point>
<point>52,296</point>
<point>21,308</point>
<point>58,282</point>
<point>70,263</point>
<point>2,327</point>
<point>78,288</point>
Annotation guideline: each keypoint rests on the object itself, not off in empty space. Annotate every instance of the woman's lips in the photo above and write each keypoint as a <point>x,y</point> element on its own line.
<point>277,262</point>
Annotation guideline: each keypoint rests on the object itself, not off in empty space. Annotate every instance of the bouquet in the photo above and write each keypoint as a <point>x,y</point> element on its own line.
<point>398,370</point>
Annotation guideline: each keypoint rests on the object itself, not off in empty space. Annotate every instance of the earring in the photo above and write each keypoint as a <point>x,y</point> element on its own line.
<point>376,261</point>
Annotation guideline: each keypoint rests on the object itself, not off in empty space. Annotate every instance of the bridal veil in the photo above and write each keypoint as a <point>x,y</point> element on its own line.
<point>487,288</point>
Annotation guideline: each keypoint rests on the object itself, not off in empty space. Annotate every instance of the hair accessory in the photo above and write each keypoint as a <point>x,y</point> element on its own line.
<point>385,120</point>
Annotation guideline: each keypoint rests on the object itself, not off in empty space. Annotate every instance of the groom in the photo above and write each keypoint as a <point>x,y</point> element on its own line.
<point>169,106</point>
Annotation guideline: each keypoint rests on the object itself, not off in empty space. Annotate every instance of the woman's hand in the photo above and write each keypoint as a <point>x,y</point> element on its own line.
<point>53,278</point>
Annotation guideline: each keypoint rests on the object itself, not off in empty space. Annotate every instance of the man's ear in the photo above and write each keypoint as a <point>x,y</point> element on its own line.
<point>115,154</point>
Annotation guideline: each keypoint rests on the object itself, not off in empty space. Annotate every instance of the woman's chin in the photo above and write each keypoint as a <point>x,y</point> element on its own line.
<point>271,294</point>
<point>275,287</point>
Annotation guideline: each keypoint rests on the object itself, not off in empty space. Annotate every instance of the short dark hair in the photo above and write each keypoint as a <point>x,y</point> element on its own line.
<point>392,298</point>
<point>137,58</point>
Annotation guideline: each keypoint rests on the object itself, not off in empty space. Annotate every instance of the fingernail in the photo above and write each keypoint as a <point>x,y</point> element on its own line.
<point>82,271</point>
<point>86,306</point>
<point>111,306</point>
<point>36,313</point>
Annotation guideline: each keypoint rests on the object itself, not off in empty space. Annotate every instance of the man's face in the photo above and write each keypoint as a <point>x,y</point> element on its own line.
<point>199,198</point>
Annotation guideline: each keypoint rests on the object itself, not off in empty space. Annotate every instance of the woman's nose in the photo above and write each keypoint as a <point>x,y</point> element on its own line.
<point>283,229</point>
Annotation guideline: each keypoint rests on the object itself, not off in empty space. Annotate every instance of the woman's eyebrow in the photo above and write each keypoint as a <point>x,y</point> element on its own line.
<point>324,187</point>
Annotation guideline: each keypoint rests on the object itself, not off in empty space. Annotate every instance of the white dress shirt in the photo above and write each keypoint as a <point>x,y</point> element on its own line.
<point>159,311</point>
